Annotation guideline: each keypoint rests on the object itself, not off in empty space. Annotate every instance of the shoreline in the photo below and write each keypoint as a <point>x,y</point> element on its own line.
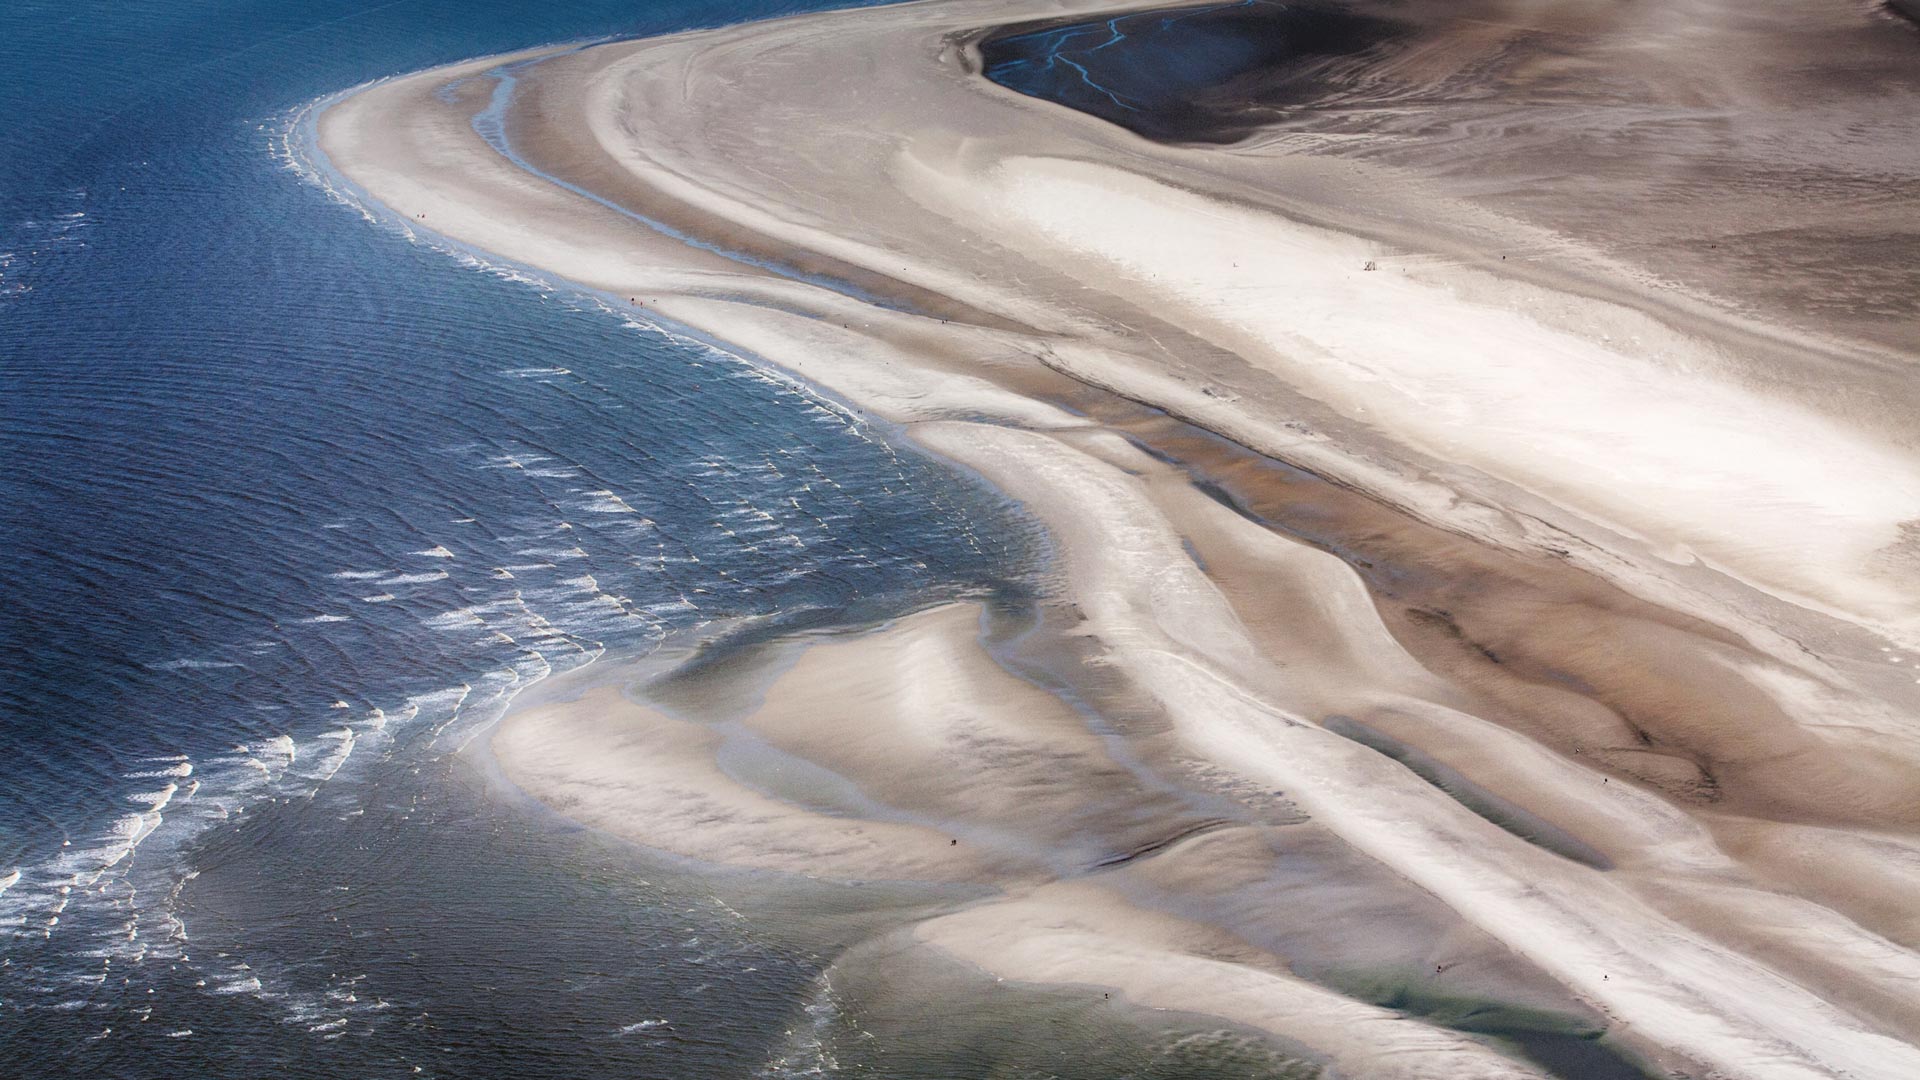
<point>1214,644</point>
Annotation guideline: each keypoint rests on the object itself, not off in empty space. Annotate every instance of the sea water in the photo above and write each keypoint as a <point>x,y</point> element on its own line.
<point>294,505</point>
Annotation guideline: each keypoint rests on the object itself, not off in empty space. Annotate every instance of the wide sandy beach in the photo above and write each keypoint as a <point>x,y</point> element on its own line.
<point>1448,595</point>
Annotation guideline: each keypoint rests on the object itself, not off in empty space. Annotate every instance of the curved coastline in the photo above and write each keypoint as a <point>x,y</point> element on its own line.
<point>1687,717</point>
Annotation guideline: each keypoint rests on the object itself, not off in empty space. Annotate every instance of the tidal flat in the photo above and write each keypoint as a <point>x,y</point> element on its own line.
<point>1473,622</point>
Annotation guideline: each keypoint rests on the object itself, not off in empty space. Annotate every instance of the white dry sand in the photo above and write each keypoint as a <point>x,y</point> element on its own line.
<point>1631,436</point>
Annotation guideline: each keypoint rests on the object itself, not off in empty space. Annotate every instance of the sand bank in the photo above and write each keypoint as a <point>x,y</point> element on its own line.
<point>1531,626</point>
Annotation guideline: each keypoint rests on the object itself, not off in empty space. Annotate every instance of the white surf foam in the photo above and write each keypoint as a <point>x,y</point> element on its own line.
<point>187,664</point>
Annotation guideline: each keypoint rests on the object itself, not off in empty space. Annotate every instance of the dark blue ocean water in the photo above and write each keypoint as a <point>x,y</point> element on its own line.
<point>292,507</point>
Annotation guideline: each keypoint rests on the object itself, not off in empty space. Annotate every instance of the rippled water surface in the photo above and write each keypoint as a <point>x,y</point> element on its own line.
<point>292,507</point>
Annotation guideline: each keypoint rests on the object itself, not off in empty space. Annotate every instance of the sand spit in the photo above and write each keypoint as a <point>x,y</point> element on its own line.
<point>1515,632</point>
